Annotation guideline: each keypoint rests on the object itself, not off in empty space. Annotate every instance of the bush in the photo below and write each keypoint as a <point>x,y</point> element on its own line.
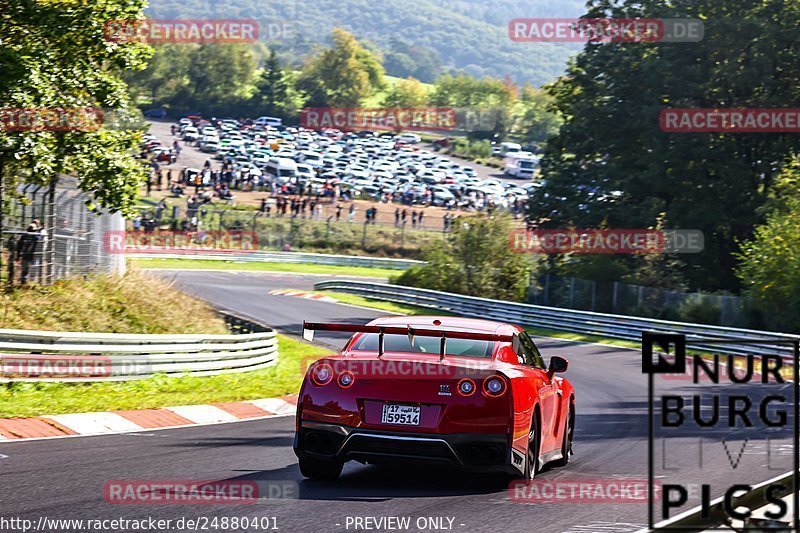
<point>700,310</point>
<point>770,269</point>
<point>477,260</point>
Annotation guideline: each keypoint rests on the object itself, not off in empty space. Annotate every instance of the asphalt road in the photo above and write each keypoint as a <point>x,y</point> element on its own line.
<point>65,478</point>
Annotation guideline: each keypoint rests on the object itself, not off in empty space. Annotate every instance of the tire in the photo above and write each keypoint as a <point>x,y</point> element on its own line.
<point>566,441</point>
<point>534,445</point>
<point>320,469</point>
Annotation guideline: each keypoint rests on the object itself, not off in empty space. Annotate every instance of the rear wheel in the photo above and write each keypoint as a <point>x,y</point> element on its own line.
<point>566,441</point>
<point>320,469</point>
<point>534,443</point>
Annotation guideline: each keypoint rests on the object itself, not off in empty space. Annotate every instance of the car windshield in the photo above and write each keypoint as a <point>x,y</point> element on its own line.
<point>400,343</point>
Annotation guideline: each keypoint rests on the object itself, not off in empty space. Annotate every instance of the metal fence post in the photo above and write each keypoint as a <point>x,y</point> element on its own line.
<point>571,291</point>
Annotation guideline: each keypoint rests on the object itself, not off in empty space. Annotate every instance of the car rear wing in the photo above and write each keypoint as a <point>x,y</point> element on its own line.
<point>381,331</point>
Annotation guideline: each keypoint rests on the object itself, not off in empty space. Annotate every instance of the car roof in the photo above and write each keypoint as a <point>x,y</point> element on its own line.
<point>448,322</point>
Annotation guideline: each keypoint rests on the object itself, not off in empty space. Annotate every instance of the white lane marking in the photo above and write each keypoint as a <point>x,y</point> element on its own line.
<point>202,414</point>
<point>3,456</point>
<point>95,423</point>
<point>275,405</point>
<point>127,433</point>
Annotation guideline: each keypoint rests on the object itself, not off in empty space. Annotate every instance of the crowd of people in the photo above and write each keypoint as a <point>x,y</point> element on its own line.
<point>318,198</point>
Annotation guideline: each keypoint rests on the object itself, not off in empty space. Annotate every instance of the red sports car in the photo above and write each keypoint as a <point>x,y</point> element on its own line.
<point>473,393</point>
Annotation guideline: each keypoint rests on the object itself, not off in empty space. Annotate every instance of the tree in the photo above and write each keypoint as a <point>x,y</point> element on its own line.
<point>488,98</point>
<point>610,160</point>
<point>534,116</point>
<point>274,95</point>
<point>220,74</point>
<point>343,75</point>
<point>406,93</point>
<point>770,262</point>
<point>477,260</point>
<point>56,55</point>
<point>406,60</point>
<point>165,76</point>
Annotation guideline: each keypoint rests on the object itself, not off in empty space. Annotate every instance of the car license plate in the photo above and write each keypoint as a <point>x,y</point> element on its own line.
<point>407,415</point>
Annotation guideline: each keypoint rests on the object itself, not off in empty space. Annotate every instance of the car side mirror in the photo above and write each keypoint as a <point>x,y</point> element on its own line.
<point>557,365</point>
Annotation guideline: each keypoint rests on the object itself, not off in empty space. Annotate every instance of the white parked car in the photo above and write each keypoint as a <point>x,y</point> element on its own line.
<point>409,138</point>
<point>191,134</point>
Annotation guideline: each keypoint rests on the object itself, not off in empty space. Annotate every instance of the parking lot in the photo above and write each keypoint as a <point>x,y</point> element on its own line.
<point>337,170</point>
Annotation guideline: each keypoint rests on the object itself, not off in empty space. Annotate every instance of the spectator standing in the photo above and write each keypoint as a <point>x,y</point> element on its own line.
<point>28,250</point>
<point>351,214</point>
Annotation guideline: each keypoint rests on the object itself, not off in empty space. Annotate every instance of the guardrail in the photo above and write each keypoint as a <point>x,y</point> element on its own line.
<point>284,257</point>
<point>587,322</point>
<point>27,355</point>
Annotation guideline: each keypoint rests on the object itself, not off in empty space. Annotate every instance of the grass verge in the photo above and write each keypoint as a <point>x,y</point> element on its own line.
<point>36,399</point>
<point>297,268</point>
<point>403,309</point>
<point>134,303</point>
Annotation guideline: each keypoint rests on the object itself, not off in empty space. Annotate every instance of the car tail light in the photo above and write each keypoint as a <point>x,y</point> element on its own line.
<point>494,386</point>
<point>322,374</point>
<point>466,387</point>
<point>346,379</point>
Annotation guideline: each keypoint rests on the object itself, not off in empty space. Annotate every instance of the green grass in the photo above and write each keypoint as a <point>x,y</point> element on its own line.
<point>582,337</point>
<point>403,309</point>
<point>299,268</point>
<point>133,303</point>
<point>36,399</point>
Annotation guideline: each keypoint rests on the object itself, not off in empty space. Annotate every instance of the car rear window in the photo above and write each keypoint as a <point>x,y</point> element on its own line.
<point>400,343</point>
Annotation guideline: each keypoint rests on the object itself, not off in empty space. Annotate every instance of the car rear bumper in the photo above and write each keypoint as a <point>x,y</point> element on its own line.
<point>468,451</point>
